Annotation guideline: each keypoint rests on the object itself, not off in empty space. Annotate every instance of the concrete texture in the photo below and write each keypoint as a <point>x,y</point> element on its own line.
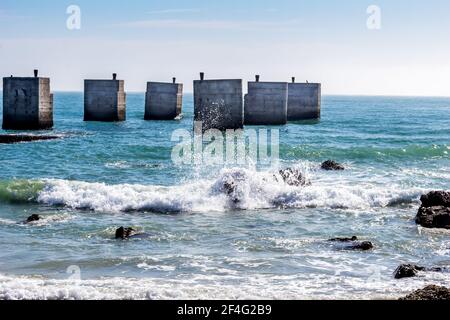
<point>304,100</point>
<point>218,104</point>
<point>104,100</point>
<point>163,101</point>
<point>27,103</point>
<point>266,103</point>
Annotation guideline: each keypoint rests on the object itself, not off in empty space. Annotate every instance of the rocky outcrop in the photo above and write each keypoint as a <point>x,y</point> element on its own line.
<point>352,244</point>
<point>14,138</point>
<point>435,210</point>
<point>431,292</point>
<point>406,271</point>
<point>354,238</point>
<point>124,233</point>
<point>436,198</point>
<point>130,233</point>
<point>292,177</point>
<point>332,165</point>
<point>33,218</point>
<point>411,270</point>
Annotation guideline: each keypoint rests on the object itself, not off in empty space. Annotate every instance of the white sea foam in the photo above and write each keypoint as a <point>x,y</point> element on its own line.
<point>253,190</point>
<point>311,286</point>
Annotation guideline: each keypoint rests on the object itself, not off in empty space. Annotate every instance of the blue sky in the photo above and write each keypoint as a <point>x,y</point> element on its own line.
<point>323,41</point>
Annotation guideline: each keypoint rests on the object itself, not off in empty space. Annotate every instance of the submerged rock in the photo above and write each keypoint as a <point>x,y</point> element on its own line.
<point>15,138</point>
<point>124,233</point>
<point>33,218</point>
<point>353,243</point>
<point>431,292</point>
<point>354,238</point>
<point>332,165</point>
<point>406,271</point>
<point>363,245</point>
<point>293,177</point>
<point>129,233</point>
<point>411,270</point>
<point>435,210</point>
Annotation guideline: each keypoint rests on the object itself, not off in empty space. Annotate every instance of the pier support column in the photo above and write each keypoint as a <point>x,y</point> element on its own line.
<point>104,100</point>
<point>163,101</point>
<point>27,103</point>
<point>266,103</point>
<point>218,103</point>
<point>304,101</point>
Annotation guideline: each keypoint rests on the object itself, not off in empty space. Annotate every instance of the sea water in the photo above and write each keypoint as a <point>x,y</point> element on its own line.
<point>199,244</point>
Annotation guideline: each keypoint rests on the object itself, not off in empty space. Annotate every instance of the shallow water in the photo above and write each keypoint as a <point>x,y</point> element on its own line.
<point>272,244</point>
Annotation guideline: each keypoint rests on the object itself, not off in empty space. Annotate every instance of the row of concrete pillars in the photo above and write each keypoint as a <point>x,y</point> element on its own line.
<point>219,104</point>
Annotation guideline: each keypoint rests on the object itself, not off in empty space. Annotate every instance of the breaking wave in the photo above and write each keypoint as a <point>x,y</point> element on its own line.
<point>252,190</point>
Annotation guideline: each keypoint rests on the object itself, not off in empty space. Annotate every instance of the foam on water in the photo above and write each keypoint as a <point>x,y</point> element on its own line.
<point>311,286</point>
<point>254,189</point>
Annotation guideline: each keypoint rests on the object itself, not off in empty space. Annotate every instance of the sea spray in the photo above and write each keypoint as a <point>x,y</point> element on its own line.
<point>253,190</point>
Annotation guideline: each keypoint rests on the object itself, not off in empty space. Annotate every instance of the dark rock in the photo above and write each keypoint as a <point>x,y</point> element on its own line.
<point>292,177</point>
<point>332,165</point>
<point>14,138</point>
<point>353,244</point>
<point>411,270</point>
<point>431,292</point>
<point>354,238</point>
<point>129,233</point>
<point>124,233</point>
<point>406,271</point>
<point>435,210</point>
<point>436,199</point>
<point>363,245</point>
<point>434,217</point>
<point>32,218</point>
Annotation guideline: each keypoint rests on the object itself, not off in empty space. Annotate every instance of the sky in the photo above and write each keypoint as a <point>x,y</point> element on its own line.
<point>324,41</point>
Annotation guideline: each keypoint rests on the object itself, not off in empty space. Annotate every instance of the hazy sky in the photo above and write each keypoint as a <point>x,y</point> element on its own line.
<point>324,41</point>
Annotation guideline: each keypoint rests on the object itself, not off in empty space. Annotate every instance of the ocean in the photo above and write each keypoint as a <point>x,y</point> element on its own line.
<point>199,244</point>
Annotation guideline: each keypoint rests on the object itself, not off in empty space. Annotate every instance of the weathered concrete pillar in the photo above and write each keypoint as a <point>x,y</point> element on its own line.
<point>304,100</point>
<point>104,100</point>
<point>266,103</point>
<point>218,103</point>
<point>163,101</point>
<point>27,103</point>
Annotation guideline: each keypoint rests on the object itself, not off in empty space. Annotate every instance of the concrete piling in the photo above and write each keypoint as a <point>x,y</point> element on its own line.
<point>163,101</point>
<point>304,101</point>
<point>218,103</point>
<point>266,103</point>
<point>104,100</point>
<point>27,103</point>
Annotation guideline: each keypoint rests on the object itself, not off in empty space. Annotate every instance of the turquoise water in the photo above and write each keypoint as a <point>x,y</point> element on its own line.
<point>100,176</point>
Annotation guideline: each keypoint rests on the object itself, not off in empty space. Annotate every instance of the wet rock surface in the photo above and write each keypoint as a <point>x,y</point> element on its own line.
<point>14,138</point>
<point>129,233</point>
<point>435,210</point>
<point>352,244</point>
<point>33,218</point>
<point>331,165</point>
<point>411,270</point>
<point>124,233</point>
<point>354,238</point>
<point>293,177</point>
<point>431,292</point>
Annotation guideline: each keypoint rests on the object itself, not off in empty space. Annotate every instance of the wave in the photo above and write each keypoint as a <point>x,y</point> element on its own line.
<point>251,190</point>
<point>375,152</point>
<point>257,287</point>
<point>20,191</point>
